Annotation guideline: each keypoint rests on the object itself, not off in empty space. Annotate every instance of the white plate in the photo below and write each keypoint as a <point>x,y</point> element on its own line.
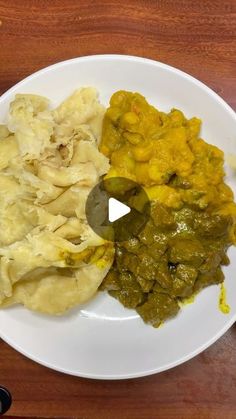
<point>104,340</point>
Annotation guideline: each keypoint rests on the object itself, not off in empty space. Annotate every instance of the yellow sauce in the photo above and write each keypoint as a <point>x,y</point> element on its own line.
<point>188,300</point>
<point>223,306</point>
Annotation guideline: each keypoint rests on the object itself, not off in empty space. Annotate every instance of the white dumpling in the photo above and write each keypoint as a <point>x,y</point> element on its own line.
<point>55,294</point>
<point>50,258</point>
<point>83,174</point>
<point>8,150</point>
<point>32,124</point>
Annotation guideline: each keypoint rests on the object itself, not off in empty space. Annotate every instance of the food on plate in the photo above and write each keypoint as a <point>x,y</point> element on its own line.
<point>193,214</point>
<point>50,159</point>
<point>51,260</point>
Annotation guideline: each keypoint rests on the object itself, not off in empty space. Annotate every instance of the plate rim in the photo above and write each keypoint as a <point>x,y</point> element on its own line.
<point>117,377</point>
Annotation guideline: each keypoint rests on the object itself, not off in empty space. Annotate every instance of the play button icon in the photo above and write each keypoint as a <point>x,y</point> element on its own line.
<point>117,209</point>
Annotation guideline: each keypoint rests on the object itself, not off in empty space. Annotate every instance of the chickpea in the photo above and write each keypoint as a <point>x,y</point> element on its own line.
<point>142,154</point>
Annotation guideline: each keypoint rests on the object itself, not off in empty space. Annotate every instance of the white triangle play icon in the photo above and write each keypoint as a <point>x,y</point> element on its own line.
<point>116,209</point>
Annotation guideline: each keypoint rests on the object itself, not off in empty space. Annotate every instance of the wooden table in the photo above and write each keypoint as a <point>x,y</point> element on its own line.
<point>198,37</point>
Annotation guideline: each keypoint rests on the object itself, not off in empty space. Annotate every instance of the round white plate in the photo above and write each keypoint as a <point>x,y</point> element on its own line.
<point>103,340</point>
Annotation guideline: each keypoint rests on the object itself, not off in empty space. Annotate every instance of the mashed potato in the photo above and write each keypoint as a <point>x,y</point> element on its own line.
<point>50,259</point>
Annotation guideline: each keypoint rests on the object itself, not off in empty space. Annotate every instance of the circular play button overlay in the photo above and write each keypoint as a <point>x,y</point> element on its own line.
<point>117,209</point>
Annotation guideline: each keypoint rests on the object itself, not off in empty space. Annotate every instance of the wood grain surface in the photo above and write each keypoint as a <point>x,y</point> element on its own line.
<point>198,37</point>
